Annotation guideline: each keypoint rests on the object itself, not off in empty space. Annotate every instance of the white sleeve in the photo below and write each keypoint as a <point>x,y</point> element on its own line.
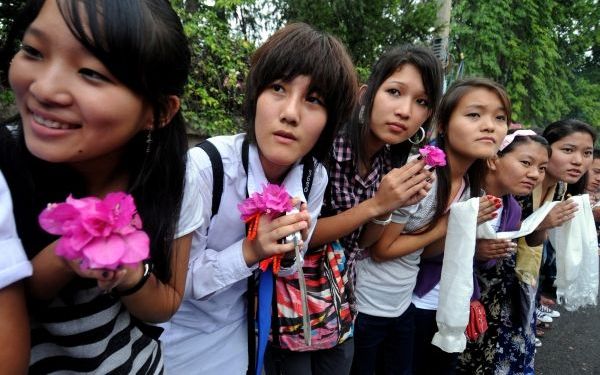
<point>190,216</point>
<point>14,265</point>
<point>402,214</point>
<point>211,270</point>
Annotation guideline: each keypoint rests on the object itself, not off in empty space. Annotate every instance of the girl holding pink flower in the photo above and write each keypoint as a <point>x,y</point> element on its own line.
<point>97,85</point>
<point>369,178</point>
<point>301,85</point>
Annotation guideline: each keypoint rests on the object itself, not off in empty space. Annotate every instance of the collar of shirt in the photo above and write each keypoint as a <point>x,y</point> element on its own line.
<point>256,176</point>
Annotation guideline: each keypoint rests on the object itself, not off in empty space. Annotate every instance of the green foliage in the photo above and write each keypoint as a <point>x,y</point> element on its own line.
<point>213,100</point>
<point>537,50</point>
<point>367,27</point>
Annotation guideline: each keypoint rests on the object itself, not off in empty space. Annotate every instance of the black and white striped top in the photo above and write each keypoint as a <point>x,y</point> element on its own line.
<point>84,331</point>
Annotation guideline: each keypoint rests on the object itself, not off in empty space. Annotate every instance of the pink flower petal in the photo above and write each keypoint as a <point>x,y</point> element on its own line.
<point>56,218</point>
<point>434,156</point>
<point>105,252</point>
<point>138,248</point>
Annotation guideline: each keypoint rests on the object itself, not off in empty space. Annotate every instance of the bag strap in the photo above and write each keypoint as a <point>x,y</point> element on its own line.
<point>217,169</point>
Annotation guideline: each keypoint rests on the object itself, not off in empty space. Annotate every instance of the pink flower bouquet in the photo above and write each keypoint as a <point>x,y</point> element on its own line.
<point>103,233</point>
<point>434,156</point>
<point>273,201</point>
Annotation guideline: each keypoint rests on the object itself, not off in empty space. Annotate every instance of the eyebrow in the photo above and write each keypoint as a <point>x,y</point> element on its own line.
<point>35,32</point>
<point>422,92</point>
<point>481,106</point>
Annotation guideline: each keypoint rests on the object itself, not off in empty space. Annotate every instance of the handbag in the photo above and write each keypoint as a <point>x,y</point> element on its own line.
<point>331,319</point>
<point>477,321</point>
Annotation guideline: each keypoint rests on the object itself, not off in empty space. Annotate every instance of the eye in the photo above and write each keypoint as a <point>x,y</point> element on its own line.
<point>393,92</point>
<point>543,169</point>
<point>526,163</point>
<point>423,102</point>
<point>93,75</point>
<point>501,118</point>
<point>473,114</point>
<point>277,87</point>
<point>588,153</point>
<point>30,52</point>
<point>315,99</point>
<point>567,150</point>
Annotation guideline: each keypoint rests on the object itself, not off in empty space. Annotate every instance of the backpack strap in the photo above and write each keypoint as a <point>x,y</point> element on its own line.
<point>217,169</point>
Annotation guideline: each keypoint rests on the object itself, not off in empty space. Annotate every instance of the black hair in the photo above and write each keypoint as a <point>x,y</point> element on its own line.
<point>300,49</point>
<point>563,128</point>
<point>141,42</point>
<point>427,64</point>
<point>476,171</point>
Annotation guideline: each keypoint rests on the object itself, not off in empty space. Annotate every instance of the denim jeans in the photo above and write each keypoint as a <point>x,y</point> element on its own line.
<point>391,338</point>
<point>334,361</point>
<point>429,359</point>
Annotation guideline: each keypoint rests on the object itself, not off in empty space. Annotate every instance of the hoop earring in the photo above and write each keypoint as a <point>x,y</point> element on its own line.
<point>148,141</point>
<point>421,138</point>
<point>361,115</point>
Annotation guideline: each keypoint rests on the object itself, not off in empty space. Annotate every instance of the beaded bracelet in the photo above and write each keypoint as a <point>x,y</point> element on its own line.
<point>382,222</point>
<point>148,267</point>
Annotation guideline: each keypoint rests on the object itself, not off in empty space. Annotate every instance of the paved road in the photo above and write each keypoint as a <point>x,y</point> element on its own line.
<point>571,345</point>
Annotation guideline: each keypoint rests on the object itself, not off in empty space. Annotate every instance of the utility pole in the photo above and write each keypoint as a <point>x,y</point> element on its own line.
<point>440,42</point>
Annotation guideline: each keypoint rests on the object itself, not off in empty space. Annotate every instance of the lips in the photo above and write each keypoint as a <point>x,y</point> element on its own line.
<point>284,136</point>
<point>487,139</point>
<point>397,127</point>
<point>50,123</point>
<point>529,184</point>
<point>574,172</point>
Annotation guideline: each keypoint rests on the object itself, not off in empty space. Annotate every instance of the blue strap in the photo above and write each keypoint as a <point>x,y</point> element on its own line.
<point>265,300</point>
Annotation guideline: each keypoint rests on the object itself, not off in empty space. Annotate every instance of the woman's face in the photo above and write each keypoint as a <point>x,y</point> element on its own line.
<point>289,121</point>
<point>593,181</point>
<point>73,109</point>
<point>519,171</point>
<point>477,125</point>
<point>572,156</point>
<point>400,106</point>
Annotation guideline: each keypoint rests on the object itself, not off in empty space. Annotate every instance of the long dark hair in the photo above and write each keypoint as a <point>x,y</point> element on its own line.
<point>563,128</point>
<point>427,64</point>
<point>141,42</point>
<point>476,171</point>
<point>300,49</point>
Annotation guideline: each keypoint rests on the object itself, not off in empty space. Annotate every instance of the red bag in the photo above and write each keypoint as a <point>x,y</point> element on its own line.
<point>477,321</point>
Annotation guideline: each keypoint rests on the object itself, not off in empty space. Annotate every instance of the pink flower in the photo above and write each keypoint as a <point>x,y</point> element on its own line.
<point>277,200</point>
<point>102,233</point>
<point>274,200</point>
<point>434,156</point>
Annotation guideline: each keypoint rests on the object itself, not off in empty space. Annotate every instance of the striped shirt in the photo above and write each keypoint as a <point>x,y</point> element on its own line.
<point>86,331</point>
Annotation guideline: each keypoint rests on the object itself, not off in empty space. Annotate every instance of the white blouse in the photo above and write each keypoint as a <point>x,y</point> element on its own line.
<point>208,333</point>
<point>14,265</point>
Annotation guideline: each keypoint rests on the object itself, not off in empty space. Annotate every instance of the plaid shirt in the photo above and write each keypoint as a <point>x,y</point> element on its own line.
<point>347,189</point>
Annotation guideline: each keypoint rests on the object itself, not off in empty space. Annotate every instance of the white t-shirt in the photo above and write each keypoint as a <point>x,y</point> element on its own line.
<point>14,265</point>
<point>385,288</point>
<point>208,335</point>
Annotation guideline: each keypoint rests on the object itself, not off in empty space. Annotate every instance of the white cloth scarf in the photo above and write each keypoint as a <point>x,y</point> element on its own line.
<point>576,246</point>
<point>456,283</point>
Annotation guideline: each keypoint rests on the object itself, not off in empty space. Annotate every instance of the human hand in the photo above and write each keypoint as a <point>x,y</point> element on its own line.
<point>559,214</point>
<point>269,234</point>
<point>122,278</point>
<point>403,187</point>
<point>488,205</point>
<point>488,249</point>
